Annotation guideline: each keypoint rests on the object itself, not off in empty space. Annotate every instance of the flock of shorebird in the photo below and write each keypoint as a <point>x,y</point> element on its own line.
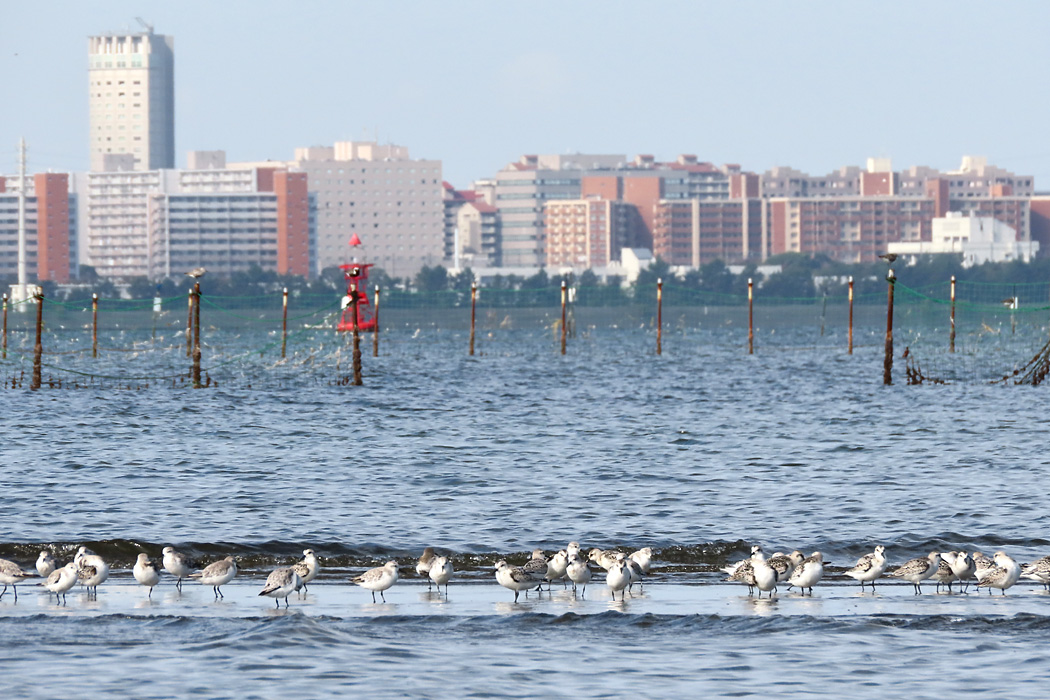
<point>622,571</point>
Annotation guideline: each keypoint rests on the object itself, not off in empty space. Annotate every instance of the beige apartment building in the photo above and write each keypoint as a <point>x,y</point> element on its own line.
<point>395,204</point>
<point>131,100</point>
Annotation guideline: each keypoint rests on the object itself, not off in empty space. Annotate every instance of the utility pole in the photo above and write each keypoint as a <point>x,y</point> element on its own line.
<point>21,292</point>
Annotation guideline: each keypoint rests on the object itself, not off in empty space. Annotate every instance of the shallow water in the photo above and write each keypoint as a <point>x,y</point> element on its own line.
<point>697,453</point>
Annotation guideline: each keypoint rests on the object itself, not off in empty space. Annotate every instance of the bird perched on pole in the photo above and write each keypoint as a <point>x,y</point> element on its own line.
<point>196,273</point>
<point>889,257</point>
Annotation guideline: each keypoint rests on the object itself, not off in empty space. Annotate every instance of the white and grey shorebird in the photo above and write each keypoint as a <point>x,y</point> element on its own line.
<point>869,567</point>
<point>634,570</point>
<point>378,579</point>
<point>604,558</point>
<point>423,564</point>
<point>11,574</point>
<point>441,572</point>
<point>963,568</point>
<point>281,583</point>
<point>743,571</point>
<point>618,577</point>
<point>785,564</point>
<point>644,557</point>
<point>217,574</point>
<point>45,563</point>
<point>945,574</point>
<point>197,272</point>
<point>809,572</point>
<point>145,572</point>
<point>578,572</point>
<point>178,565</point>
<point>764,575</point>
<point>556,567</point>
<point>918,570</point>
<point>1039,570</point>
<point>1003,575</point>
<point>91,569</point>
<point>537,566</point>
<point>307,568</point>
<point>980,563</point>
<point>572,549</point>
<point>61,580</point>
<point>515,578</point>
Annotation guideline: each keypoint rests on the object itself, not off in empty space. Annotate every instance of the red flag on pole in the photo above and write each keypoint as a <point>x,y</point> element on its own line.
<point>354,240</point>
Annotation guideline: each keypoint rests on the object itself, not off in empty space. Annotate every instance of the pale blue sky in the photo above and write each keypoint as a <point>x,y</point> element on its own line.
<point>812,85</point>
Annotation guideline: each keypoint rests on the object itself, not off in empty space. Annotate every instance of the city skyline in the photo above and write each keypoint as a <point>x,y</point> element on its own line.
<point>812,88</point>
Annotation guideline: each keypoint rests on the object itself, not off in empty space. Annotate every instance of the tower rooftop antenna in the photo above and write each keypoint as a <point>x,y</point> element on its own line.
<point>148,27</point>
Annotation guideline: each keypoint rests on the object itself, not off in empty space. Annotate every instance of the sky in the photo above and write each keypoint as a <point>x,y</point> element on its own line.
<point>811,85</point>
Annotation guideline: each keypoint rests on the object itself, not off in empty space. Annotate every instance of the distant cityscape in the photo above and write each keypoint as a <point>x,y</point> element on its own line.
<point>135,215</point>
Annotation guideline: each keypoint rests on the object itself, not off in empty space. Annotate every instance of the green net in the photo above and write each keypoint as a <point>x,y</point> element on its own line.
<point>1000,330</point>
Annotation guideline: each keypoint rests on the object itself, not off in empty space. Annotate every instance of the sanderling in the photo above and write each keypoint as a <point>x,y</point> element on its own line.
<point>963,568</point>
<point>281,583</point>
<point>644,557</point>
<point>603,558</point>
<point>178,565</point>
<point>91,569</point>
<point>12,574</point>
<point>572,549</point>
<point>423,565</point>
<point>869,567</point>
<point>917,570</point>
<point>537,566</point>
<point>145,572</point>
<point>744,570</point>
<point>944,575</point>
<point>515,578</point>
<point>1003,575</point>
<point>579,573</point>
<point>379,579</point>
<point>217,574</point>
<point>1039,570</point>
<point>785,564</point>
<point>440,572</point>
<point>45,563</point>
<point>735,566</point>
<point>763,575</point>
<point>618,577</point>
<point>307,569</point>
<point>61,580</point>
<point>556,568</point>
<point>808,572</point>
<point>980,563</point>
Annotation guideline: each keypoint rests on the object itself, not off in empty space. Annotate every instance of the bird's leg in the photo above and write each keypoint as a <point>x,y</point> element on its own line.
<point>382,595</point>
<point>516,596</point>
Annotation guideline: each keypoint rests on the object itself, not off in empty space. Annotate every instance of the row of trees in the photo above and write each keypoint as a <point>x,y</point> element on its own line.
<point>800,277</point>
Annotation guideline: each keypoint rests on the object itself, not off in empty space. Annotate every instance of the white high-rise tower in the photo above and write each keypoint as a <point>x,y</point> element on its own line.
<point>132,100</point>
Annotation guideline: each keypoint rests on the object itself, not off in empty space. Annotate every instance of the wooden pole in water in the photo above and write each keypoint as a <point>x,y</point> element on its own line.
<point>357,337</point>
<point>197,336</point>
<point>887,363</point>
<point>94,324</point>
<point>750,317</point>
<point>189,326</point>
<point>850,350</point>
<point>564,330</point>
<point>659,315</point>
<point>5,326</point>
<point>473,312</point>
<point>284,322</point>
<point>375,329</point>
<point>38,349</point>
<point>823,312</point>
<point>951,332</point>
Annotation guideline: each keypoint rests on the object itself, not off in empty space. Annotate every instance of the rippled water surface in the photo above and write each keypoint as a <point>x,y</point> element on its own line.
<point>697,453</point>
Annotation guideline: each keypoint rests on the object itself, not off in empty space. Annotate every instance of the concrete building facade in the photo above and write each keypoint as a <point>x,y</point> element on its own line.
<point>395,204</point>
<point>586,233</point>
<point>160,223</point>
<point>51,228</point>
<point>131,101</point>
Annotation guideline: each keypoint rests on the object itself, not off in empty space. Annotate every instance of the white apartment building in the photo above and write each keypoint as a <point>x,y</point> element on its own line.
<point>131,99</point>
<point>161,223</point>
<point>979,239</point>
